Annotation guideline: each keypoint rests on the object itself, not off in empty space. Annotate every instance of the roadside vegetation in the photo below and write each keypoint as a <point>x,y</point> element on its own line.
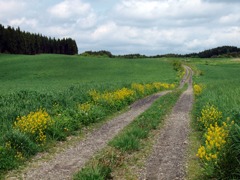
<point>30,120</point>
<point>217,120</point>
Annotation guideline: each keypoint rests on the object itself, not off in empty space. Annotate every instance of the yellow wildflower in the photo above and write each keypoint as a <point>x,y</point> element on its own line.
<point>35,123</point>
<point>197,88</point>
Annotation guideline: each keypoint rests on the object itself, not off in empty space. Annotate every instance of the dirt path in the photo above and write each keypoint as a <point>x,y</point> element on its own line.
<point>168,158</point>
<point>63,165</point>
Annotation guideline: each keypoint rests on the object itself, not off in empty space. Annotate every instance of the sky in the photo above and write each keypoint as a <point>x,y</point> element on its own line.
<point>147,27</point>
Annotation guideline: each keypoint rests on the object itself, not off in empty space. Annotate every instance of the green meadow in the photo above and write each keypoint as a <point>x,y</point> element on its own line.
<point>46,73</point>
<point>68,93</point>
<point>221,79</point>
<point>218,103</point>
<point>45,98</point>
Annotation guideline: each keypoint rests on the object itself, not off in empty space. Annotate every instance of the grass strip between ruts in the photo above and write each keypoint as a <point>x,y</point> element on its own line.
<point>132,140</point>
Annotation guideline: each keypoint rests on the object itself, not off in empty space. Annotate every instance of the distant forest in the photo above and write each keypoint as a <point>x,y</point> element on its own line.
<point>15,41</point>
<point>224,51</point>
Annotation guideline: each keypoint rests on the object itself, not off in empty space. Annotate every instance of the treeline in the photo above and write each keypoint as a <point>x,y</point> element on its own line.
<point>132,56</point>
<point>15,41</point>
<point>223,51</point>
<point>102,53</point>
<point>220,51</point>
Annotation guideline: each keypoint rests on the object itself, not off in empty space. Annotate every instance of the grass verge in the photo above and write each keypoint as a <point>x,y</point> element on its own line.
<point>194,168</point>
<point>217,107</point>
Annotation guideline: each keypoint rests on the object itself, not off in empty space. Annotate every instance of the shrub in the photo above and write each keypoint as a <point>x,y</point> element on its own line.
<point>214,149</point>
<point>197,89</point>
<point>216,137</point>
<point>34,124</point>
<point>209,115</point>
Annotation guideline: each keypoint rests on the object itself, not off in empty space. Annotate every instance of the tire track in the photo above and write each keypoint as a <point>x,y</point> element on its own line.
<point>167,160</point>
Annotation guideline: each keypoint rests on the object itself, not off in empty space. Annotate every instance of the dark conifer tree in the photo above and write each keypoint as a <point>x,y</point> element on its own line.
<point>15,41</point>
<point>1,37</point>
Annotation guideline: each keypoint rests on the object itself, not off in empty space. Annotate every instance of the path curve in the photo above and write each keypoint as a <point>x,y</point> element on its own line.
<point>167,160</point>
<point>63,165</point>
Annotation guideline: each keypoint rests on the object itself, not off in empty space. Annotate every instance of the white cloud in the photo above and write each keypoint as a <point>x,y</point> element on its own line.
<point>87,22</point>
<point>171,12</point>
<point>59,31</point>
<point>228,36</point>
<point>103,31</point>
<point>10,8</point>
<point>23,22</point>
<point>70,8</point>
<point>223,1</point>
<point>130,26</point>
<point>230,19</point>
<point>73,12</point>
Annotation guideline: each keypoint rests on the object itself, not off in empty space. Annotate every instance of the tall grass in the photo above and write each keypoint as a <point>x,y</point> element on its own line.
<point>58,88</point>
<point>222,90</point>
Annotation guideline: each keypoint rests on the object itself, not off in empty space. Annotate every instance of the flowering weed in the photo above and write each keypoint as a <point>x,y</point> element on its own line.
<point>216,137</point>
<point>197,89</point>
<point>209,115</point>
<point>35,124</point>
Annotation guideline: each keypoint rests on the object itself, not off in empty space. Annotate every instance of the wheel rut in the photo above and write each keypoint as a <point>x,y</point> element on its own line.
<point>167,160</point>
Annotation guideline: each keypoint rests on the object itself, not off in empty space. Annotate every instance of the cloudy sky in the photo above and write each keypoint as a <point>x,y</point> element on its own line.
<point>130,26</point>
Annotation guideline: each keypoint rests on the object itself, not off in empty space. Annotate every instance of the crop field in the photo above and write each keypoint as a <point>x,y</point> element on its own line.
<point>45,98</point>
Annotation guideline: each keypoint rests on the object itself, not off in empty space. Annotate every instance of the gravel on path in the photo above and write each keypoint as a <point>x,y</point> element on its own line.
<point>167,160</point>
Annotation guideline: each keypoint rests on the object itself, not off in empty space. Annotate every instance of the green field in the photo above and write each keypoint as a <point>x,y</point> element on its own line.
<point>45,98</point>
<point>222,81</point>
<point>76,91</point>
<point>44,73</point>
<point>221,89</point>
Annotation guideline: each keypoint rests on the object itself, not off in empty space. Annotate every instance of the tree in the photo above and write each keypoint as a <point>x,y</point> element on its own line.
<point>17,42</point>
